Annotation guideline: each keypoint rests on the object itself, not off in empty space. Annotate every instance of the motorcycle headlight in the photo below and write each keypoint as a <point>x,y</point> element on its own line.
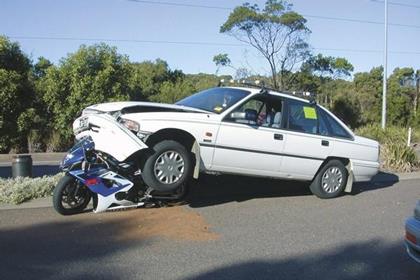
<point>131,125</point>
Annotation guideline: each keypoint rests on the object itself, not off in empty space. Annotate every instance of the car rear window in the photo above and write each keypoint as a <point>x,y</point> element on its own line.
<point>333,127</point>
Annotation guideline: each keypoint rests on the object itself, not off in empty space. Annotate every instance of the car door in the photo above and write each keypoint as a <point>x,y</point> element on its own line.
<point>305,147</point>
<point>254,143</point>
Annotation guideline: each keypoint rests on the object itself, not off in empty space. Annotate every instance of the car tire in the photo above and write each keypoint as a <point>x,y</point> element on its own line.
<point>330,181</point>
<point>168,168</point>
<point>179,196</point>
<point>62,194</point>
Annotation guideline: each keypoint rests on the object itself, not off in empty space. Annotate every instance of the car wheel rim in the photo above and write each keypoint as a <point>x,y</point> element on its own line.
<point>332,179</point>
<point>169,167</point>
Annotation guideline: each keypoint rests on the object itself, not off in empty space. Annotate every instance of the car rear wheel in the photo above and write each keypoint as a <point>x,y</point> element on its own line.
<point>330,180</point>
<point>169,167</point>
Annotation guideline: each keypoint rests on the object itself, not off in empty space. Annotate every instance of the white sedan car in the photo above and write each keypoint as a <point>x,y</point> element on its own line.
<point>236,130</point>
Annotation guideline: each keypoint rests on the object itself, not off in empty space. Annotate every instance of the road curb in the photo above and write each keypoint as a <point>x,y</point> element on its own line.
<point>6,159</point>
<point>35,203</point>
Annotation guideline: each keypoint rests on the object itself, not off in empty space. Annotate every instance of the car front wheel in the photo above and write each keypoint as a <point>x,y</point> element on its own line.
<point>169,167</point>
<point>330,180</point>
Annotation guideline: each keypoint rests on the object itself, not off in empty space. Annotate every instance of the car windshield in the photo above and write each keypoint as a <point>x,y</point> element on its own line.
<point>214,100</point>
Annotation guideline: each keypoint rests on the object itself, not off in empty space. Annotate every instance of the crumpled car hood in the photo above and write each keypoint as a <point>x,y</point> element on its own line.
<point>138,107</point>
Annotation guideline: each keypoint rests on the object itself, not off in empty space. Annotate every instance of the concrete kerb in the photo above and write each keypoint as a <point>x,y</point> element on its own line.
<point>47,202</point>
<point>35,203</point>
<point>37,158</point>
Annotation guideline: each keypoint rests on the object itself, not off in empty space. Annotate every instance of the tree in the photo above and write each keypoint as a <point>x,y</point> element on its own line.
<point>147,77</point>
<point>401,98</point>
<point>348,110</point>
<point>16,93</point>
<point>91,75</point>
<point>221,60</point>
<point>203,81</point>
<point>328,70</point>
<point>328,66</point>
<point>276,31</point>
<point>170,92</point>
<point>242,73</point>
<point>41,67</point>
<point>368,89</point>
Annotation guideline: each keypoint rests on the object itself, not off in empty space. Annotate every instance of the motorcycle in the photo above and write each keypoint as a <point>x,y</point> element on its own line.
<point>112,184</point>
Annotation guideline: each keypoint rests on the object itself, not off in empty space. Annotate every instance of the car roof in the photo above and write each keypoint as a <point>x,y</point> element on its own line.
<point>272,92</point>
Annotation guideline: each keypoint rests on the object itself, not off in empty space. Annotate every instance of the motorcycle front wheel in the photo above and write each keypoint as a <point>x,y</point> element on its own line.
<point>70,196</point>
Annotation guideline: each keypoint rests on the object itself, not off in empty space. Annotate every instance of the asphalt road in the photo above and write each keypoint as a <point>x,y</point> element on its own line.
<point>267,230</point>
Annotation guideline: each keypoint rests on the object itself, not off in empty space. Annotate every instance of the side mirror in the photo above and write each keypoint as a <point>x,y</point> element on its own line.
<point>248,115</point>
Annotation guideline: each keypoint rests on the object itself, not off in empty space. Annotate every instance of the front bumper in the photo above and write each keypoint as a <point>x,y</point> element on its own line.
<point>412,227</point>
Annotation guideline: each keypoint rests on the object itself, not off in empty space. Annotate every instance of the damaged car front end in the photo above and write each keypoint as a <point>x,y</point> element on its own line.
<point>105,165</point>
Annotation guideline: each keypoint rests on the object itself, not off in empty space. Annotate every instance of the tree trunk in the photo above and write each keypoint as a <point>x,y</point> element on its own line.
<point>274,75</point>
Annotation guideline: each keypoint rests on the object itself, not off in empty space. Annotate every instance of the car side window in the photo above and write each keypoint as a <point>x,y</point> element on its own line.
<point>272,115</point>
<point>335,129</point>
<point>323,128</point>
<point>250,110</point>
<point>265,111</point>
<point>302,117</point>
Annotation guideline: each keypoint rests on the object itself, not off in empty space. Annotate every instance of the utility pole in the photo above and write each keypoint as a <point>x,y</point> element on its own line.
<point>385,67</point>
<point>416,95</point>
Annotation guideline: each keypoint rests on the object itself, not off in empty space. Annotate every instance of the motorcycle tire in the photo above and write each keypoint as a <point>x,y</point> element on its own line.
<point>65,201</point>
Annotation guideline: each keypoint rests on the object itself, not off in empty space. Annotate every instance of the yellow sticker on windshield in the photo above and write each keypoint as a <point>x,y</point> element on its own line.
<point>218,109</point>
<point>310,113</point>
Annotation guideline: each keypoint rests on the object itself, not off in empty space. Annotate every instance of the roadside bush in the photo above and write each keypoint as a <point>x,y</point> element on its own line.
<point>390,134</point>
<point>398,157</point>
<point>395,154</point>
<point>55,143</point>
<point>23,189</point>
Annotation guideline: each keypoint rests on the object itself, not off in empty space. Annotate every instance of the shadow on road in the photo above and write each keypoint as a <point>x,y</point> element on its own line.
<point>372,259</point>
<point>380,181</point>
<point>214,190</point>
<point>66,246</point>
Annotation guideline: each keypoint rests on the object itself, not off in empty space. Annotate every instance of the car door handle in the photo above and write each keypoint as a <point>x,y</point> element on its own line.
<point>325,143</point>
<point>278,136</point>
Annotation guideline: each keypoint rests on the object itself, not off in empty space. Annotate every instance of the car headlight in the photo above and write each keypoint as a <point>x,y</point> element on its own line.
<point>131,125</point>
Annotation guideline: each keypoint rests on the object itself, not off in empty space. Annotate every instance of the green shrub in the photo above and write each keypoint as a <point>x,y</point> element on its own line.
<point>390,134</point>
<point>56,143</point>
<point>398,157</point>
<point>395,154</point>
<point>23,189</point>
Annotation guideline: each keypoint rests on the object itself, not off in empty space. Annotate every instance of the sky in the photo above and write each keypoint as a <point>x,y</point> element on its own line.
<point>34,23</point>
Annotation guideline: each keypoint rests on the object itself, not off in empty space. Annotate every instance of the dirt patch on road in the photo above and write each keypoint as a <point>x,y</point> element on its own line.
<point>176,223</point>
